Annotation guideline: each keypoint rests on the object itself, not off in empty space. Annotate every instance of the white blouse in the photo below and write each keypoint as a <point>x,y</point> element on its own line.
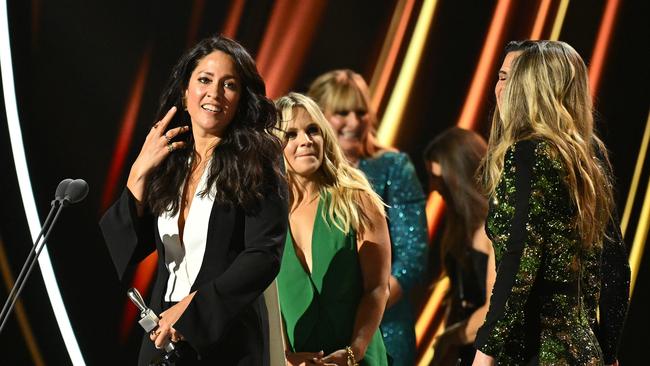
<point>183,259</point>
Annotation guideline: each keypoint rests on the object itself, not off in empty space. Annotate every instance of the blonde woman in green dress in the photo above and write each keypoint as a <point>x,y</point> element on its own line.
<point>333,281</point>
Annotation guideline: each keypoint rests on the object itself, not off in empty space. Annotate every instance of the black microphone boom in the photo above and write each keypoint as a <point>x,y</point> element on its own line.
<point>67,192</point>
<point>58,197</point>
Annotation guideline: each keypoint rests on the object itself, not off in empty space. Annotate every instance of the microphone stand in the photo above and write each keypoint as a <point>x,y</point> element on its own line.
<point>29,263</point>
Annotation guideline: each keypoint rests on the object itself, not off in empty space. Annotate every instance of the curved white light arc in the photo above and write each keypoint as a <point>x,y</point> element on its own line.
<point>26,193</point>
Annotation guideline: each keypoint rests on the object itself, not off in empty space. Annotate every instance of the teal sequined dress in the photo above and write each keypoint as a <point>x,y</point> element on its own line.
<point>542,309</point>
<point>393,177</point>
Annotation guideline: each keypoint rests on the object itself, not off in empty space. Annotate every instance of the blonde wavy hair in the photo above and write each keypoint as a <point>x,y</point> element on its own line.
<point>547,97</point>
<point>345,185</point>
<point>346,90</point>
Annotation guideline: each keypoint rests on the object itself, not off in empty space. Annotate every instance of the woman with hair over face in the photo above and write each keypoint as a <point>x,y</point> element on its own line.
<point>333,282</point>
<point>344,99</point>
<point>208,195</point>
<point>453,158</point>
<point>550,207</point>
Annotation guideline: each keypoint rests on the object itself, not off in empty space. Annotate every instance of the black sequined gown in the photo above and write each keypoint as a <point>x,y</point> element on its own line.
<point>544,300</point>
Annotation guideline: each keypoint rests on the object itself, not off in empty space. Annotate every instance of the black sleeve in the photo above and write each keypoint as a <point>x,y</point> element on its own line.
<point>129,238</point>
<point>614,293</point>
<point>519,264</point>
<point>220,300</point>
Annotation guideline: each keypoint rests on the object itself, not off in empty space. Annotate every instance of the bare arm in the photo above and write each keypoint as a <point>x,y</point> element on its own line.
<point>374,257</point>
<point>464,332</point>
<point>478,316</point>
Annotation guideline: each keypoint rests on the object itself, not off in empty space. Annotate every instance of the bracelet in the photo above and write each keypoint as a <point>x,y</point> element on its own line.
<point>351,360</point>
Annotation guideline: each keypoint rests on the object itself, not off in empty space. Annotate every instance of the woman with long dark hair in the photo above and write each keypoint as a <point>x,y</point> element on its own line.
<point>452,159</point>
<point>208,194</point>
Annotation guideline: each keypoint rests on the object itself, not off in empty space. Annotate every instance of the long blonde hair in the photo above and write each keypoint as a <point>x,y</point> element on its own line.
<point>346,90</point>
<point>547,97</point>
<point>345,186</point>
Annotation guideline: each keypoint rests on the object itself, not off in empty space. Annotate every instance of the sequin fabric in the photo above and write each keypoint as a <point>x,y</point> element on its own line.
<point>607,288</point>
<point>393,177</point>
<point>543,302</point>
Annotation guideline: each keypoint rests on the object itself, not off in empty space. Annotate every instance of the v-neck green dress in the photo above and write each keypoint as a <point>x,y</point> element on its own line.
<point>319,309</point>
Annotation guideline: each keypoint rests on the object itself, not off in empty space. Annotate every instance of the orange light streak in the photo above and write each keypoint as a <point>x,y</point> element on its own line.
<point>602,43</point>
<point>491,48</point>
<point>234,18</point>
<point>142,281</point>
<point>121,151</point>
<point>428,353</point>
<point>285,43</point>
<point>281,10</point>
<point>389,52</point>
<point>540,20</point>
<point>19,310</point>
<point>126,131</point>
<point>430,309</point>
<point>434,210</point>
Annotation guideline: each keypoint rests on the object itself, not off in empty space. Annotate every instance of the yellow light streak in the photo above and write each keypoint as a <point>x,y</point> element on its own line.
<point>559,20</point>
<point>397,103</point>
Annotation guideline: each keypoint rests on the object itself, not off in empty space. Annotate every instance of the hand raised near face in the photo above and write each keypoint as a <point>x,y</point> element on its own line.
<point>156,148</point>
<point>158,144</point>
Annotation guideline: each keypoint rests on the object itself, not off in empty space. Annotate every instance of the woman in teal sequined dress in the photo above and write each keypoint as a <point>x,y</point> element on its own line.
<point>343,97</point>
<point>549,216</point>
<point>333,281</point>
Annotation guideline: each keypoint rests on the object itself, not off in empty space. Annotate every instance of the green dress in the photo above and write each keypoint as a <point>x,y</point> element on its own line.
<point>319,309</point>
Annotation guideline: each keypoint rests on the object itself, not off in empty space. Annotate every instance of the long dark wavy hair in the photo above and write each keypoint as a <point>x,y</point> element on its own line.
<point>459,153</point>
<point>246,163</point>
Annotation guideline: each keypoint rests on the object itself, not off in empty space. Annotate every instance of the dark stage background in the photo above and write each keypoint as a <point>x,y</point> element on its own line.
<point>88,76</point>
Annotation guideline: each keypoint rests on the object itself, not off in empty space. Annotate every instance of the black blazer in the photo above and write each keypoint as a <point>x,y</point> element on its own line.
<point>226,320</point>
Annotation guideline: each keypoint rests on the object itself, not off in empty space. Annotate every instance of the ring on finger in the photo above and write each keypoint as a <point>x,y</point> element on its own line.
<point>170,147</point>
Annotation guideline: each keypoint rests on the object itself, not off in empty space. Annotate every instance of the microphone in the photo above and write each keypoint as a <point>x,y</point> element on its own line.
<point>75,192</point>
<point>68,192</point>
<point>60,190</point>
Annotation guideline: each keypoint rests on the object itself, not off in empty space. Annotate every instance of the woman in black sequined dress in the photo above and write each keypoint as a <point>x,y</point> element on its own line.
<point>551,219</point>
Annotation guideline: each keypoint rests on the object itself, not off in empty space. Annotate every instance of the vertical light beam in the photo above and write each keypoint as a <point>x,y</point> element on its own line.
<point>540,20</point>
<point>602,43</point>
<point>389,52</point>
<point>491,50</point>
<point>634,185</point>
<point>26,192</point>
<point>397,103</point>
<point>559,20</point>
